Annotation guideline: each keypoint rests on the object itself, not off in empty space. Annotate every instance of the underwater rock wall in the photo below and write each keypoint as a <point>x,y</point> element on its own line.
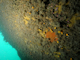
<point>42,29</point>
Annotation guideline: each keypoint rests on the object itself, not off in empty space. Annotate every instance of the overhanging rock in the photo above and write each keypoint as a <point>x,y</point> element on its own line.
<point>42,29</point>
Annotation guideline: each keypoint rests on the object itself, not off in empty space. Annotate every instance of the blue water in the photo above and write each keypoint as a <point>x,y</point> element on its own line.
<point>7,52</point>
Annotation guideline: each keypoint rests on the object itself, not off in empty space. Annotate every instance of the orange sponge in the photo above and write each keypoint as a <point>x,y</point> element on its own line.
<point>52,36</point>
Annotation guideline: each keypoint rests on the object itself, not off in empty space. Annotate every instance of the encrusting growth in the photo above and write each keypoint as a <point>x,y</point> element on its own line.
<point>52,36</point>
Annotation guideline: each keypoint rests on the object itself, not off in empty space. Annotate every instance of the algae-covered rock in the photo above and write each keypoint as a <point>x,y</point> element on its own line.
<point>42,29</point>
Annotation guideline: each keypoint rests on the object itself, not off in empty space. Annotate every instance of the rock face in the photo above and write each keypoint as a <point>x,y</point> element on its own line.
<point>42,29</point>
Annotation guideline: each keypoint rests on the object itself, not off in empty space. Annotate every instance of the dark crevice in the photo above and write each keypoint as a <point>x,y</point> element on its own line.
<point>46,3</point>
<point>41,0</point>
<point>78,23</point>
<point>53,10</point>
<point>30,11</point>
<point>78,52</point>
<point>58,1</point>
<point>39,20</point>
<point>66,1</point>
<point>57,49</point>
<point>38,12</point>
<point>25,10</point>
<point>42,15</point>
<point>62,23</point>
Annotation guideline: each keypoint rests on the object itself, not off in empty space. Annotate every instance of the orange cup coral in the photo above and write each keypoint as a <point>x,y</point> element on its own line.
<point>52,36</point>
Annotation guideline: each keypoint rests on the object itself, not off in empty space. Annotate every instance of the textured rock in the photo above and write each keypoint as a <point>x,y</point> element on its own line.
<point>24,24</point>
